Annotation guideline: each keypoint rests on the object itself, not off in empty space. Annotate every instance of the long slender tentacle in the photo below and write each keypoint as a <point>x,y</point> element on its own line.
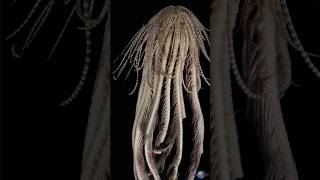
<point>84,73</point>
<point>178,115</point>
<point>35,29</point>
<point>154,108</point>
<point>197,121</point>
<point>197,116</point>
<point>140,120</point>
<point>85,14</point>
<point>61,34</point>
<point>296,40</point>
<point>15,32</point>
<point>233,63</point>
<point>166,96</point>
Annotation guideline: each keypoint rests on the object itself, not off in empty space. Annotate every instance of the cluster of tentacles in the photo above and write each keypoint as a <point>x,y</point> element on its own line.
<point>266,33</point>
<point>96,152</point>
<point>167,51</point>
<point>84,10</point>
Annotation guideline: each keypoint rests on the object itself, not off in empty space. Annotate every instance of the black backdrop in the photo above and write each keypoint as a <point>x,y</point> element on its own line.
<point>41,140</point>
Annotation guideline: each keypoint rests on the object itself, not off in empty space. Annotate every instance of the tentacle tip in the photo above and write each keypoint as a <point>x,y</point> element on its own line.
<point>114,78</point>
<point>62,104</point>
<point>157,152</point>
<point>131,93</point>
<point>65,102</point>
<point>49,58</point>
<point>8,37</point>
<point>14,53</point>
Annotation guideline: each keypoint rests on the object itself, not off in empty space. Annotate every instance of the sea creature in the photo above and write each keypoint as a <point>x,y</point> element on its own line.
<point>167,51</point>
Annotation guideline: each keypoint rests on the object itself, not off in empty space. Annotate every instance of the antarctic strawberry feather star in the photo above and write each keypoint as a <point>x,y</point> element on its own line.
<point>167,51</point>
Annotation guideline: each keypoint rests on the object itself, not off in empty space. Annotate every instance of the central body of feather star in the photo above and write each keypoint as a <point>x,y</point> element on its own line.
<point>167,51</point>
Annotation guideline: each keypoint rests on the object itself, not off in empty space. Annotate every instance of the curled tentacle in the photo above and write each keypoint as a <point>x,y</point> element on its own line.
<point>233,63</point>
<point>295,41</point>
<point>84,12</point>
<point>34,30</point>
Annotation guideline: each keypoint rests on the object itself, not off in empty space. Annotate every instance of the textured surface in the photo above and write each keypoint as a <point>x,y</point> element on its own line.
<point>224,149</point>
<point>267,73</point>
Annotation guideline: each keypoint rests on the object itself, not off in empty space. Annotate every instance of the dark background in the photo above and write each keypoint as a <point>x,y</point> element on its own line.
<point>41,140</point>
